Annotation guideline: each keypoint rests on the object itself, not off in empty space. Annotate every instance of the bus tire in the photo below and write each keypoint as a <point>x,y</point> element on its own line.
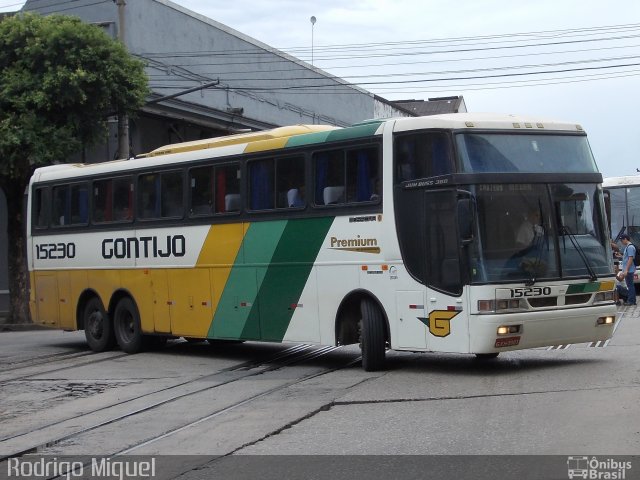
<point>219,342</point>
<point>126,324</point>
<point>487,356</point>
<point>98,329</point>
<point>372,338</point>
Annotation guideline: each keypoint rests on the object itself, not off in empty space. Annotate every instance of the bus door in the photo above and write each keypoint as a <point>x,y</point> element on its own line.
<point>447,213</point>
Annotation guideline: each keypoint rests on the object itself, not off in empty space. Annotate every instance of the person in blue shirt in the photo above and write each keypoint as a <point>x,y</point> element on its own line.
<point>628,268</point>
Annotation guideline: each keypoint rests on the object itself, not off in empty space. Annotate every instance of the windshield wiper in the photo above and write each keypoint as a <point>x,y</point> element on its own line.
<point>564,230</point>
<point>536,265</point>
<point>540,237</point>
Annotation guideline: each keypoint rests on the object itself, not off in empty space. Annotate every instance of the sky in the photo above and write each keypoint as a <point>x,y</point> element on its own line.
<point>574,60</point>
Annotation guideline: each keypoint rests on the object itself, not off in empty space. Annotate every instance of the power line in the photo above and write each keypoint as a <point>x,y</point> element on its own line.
<point>408,54</point>
<point>336,88</point>
<point>360,46</point>
<point>451,79</point>
<point>462,71</point>
<point>461,87</point>
<point>448,60</point>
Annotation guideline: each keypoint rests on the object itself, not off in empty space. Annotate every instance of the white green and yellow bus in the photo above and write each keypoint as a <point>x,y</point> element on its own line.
<point>622,202</point>
<point>622,197</point>
<point>402,234</point>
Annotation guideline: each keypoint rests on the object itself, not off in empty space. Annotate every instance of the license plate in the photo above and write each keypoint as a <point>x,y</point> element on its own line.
<point>507,342</point>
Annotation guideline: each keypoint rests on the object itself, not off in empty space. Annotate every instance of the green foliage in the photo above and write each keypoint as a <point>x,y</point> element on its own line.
<point>60,79</point>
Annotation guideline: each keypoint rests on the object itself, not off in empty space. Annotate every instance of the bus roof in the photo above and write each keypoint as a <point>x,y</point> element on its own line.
<point>241,138</point>
<point>276,139</point>
<point>297,135</point>
<point>491,121</point>
<point>621,181</point>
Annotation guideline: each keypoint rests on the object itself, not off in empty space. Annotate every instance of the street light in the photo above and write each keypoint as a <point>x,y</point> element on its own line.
<point>313,22</point>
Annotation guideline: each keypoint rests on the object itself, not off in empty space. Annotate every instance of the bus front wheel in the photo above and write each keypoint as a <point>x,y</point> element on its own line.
<point>372,338</point>
<point>98,329</point>
<point>126,323</point>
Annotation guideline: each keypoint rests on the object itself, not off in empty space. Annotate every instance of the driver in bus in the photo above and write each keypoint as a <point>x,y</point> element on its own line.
<point>530,229</point>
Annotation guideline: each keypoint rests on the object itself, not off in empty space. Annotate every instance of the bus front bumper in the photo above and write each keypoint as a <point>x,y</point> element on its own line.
<point>541,328</point>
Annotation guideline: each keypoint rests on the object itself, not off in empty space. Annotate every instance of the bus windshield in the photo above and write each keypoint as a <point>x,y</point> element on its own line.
<point>536,231</point>
<point>530,153</point>
<point>624,213</point>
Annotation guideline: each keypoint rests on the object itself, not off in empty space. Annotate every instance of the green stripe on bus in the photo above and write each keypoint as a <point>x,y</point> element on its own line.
<point>365,130</point>
<point>307,139</point>
<point>235,316</point>
<point>583,288</point>
<point>267,279</point>
<point>284,281</point>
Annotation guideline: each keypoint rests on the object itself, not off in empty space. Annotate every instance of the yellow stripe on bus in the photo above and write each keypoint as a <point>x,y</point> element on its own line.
<point>220,251</point>
<point>264,145</point>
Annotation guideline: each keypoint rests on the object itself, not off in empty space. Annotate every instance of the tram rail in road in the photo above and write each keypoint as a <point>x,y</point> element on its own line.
<point>44,437</point>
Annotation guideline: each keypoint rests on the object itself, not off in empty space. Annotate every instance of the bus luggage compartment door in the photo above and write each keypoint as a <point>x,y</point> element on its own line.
<point>411,331</point>
<point>47,298</point>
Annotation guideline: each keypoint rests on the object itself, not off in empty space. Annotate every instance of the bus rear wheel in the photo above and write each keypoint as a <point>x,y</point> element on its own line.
<point>98,329</point>
<point>126,323</point>
<point>372,338</point>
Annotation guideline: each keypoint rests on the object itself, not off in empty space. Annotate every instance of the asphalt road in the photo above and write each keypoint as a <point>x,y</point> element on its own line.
<point>223,407</point>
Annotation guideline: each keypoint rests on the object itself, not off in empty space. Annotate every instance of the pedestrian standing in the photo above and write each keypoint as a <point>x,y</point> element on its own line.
<point>628,268</point>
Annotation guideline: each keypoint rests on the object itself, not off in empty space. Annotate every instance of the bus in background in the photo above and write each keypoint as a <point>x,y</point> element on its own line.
<point>467,233</point>
<point>622,200</point>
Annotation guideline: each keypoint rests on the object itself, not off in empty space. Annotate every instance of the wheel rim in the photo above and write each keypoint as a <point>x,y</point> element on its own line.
<point>95,324</point>
<point>127,326</point>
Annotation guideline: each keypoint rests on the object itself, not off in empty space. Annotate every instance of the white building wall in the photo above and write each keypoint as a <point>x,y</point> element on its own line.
<point>184,49</point>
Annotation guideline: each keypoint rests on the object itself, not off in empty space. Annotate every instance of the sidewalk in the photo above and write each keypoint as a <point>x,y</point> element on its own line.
<point>16,327</point>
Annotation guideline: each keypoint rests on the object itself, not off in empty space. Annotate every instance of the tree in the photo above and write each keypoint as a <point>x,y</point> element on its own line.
<point>60,79</point>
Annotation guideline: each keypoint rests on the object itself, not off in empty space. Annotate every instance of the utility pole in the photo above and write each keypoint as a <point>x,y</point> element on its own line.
<point>123,120</point>
<point>313,22</point>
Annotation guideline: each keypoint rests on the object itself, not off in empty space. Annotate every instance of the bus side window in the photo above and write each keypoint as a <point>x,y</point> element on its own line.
<point>112,200</point>
<point>329,177</point>
<point>70,204</point>
<point>290,182</point>
<point>363,183</point>
<point>79,204</point>
<point>422,155</point>
<point>60,214</point>
<point>102,201</point>
<point>149,196</point>
<point>261,185</point>
<point>122,199</point>
<point>201,190</point>
<point>227,188</point>
<point>40,208</point>
<point>161,195</point>
<point>171,197</point>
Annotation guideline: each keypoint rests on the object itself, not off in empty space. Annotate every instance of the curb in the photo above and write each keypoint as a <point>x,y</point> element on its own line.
<point>19,327</point>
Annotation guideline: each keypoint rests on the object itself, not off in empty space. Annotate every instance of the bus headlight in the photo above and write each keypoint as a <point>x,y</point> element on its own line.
<point>509,329</point>
<point>604,297</point>
<point>608,320</point>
